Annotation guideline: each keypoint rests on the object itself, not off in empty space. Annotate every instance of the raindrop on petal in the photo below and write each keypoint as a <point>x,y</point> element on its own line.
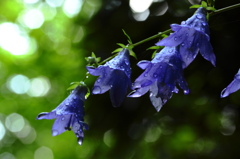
<point>199,16</point>
<point>175,38</point>
<point>183,23</point>
<point>80,140</point>
<point>54,132</point>
<point>96,90</point>
<point>186,91</point>
<point>155,75</point>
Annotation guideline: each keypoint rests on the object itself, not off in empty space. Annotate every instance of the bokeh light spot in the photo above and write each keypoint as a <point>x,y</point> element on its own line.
<point>140,5</point>
<point>19,84</point>
<point>31,1</point>
<point>2,131</point>
<point>7,155</point>
<point>72,7</point>
<point>33,18</point>
<point>39,87</point>
<point>43,152</point>
<point>14,122</point>
<point>15,40</point>
<point>54,3</point>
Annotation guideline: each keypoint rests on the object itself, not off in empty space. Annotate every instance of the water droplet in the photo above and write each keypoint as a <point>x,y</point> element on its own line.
<point>186,91</point>
<point>170,50</point>
<point>182,44</point>
<point>183,23</point>
<point>199,16</point>
<point>175,38</point>
<point>126,62</point>
<point>67,104</point>
<point>80,140</point>
<point>75,97</point>
<point>99,80</point>
<point>62,118</point>
<point>155,75</point>
<point>190,42</point>
<point>54,132</point>
<point>96,90</point>
<point>204,24</point>
<point>146,74</point>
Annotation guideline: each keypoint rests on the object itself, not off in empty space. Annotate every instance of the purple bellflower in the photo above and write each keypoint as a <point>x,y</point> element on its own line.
<point>191,36</point>
<point>160,77</point>
<point>232,87</point>
<point>114,76</point>
<point>69,114</point>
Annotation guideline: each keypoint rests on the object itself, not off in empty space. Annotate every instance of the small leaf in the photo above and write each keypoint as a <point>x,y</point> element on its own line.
<point>154,53</point>
<point>122,45</point>
<point>117,50</point>
<point>211,8</point>
<point>133,54</point>
<point>73,85</point>
<point>195,6</point>
<point>154,47</point>
<point>129,39</point>
<point>204,4</point>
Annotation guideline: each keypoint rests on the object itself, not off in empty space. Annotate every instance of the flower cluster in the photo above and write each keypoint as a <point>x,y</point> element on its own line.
<point>162,76</point>
<point>165,71</point>
<point>69,114</point>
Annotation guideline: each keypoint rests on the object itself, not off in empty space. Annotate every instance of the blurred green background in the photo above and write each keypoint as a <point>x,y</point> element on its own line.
<point>42,48</point>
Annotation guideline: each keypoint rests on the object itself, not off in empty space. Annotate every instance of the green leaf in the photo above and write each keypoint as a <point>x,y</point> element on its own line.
<point>129,39</point>
<point>154,47</point>
<point>73,85</point>
<point>117,50</point>
<point>211,8</point>
<point>204,4</point>
<point>122,45</point>
<point>133,54</point>
<point>195,6</point>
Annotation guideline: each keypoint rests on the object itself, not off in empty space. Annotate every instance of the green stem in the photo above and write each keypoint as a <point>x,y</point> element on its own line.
<point>150,38</point>
<point>225,9</point>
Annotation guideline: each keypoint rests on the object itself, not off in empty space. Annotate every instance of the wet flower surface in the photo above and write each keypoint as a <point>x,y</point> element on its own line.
<point>160,77</point>
<point>113,76</point>
<point>191,36</point>
<point>69,114</point>
<point>232,87</point>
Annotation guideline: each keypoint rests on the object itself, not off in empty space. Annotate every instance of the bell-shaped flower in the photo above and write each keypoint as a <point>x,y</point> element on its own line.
<point>232,87</point>
<point>191,36</point>
<point>69,114</point>
<point>160,77</point>
<point>114,76</point>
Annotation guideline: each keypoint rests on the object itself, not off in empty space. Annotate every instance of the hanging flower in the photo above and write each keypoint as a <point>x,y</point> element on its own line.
<point>69,114</point>
<point>191,36</point>
<point>232,87</point>
<point>160,77</point>
<point>114,76</point>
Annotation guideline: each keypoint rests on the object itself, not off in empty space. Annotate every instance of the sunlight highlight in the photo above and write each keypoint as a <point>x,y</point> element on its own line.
<point>15,40</point>
<point>139,6</point>
<point>72,7</point>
